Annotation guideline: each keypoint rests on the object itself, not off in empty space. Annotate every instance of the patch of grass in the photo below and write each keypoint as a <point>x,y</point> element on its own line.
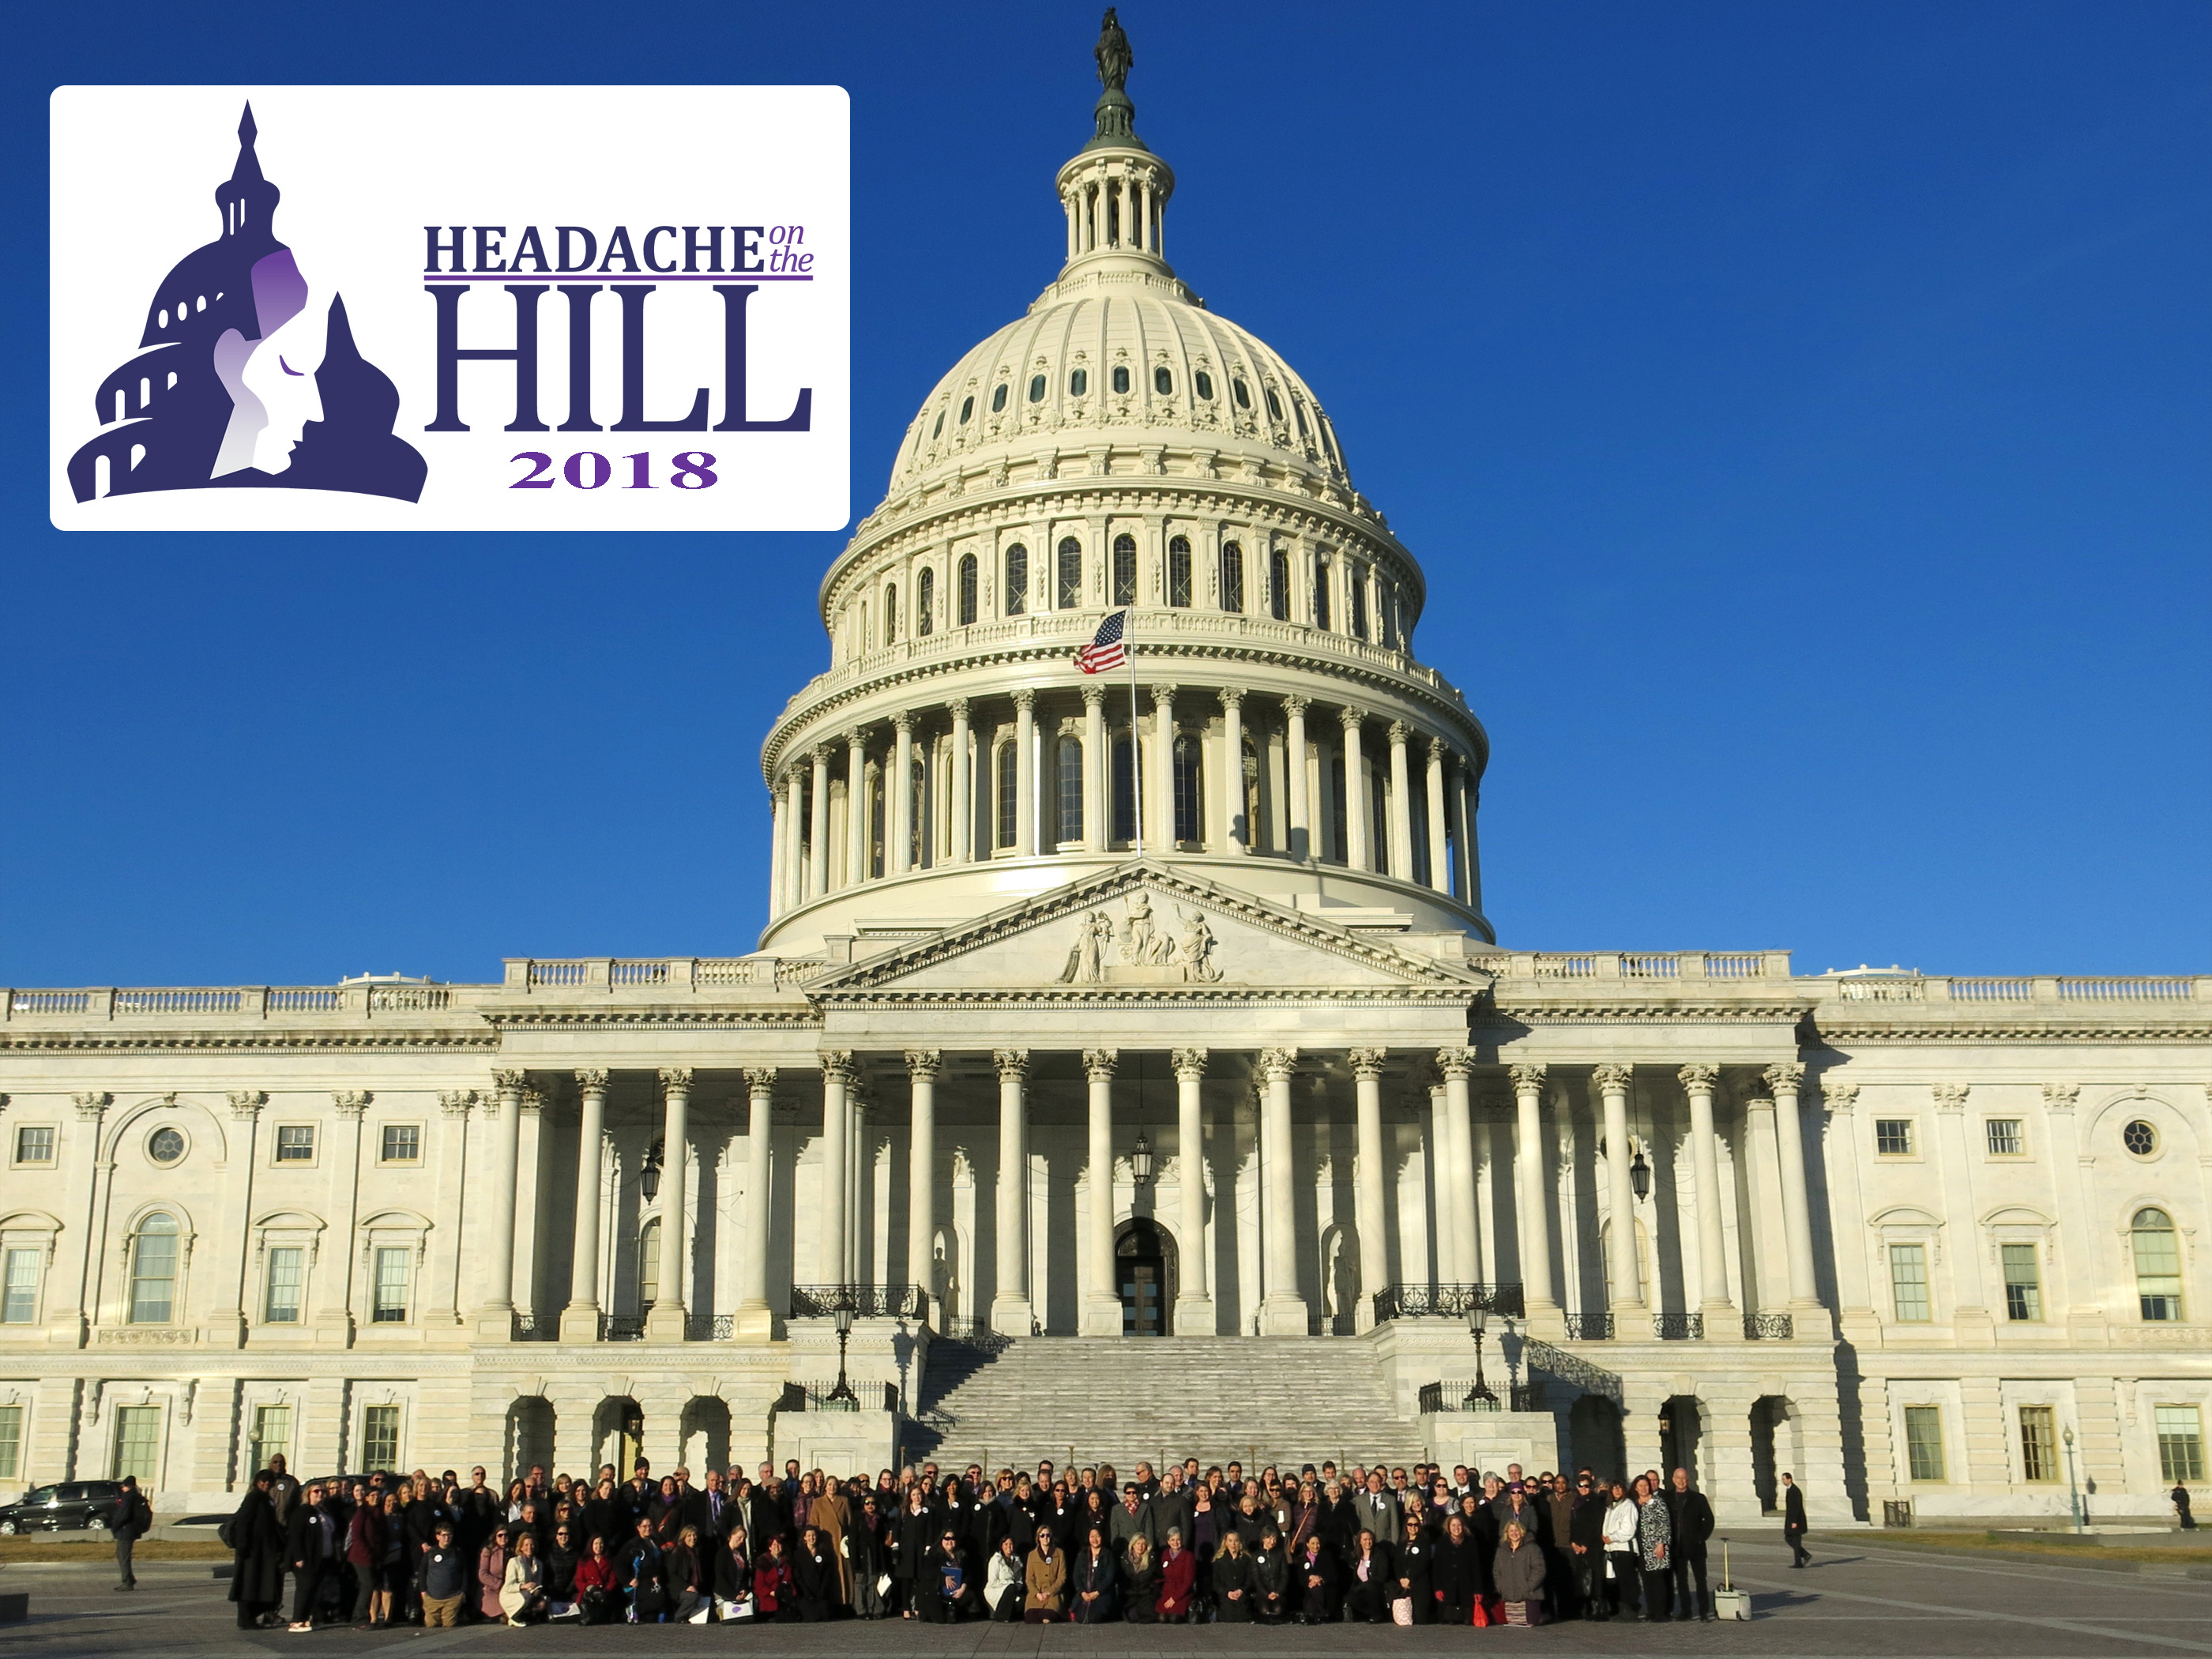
<point>97,1546</point>
<point>2056,1544</point>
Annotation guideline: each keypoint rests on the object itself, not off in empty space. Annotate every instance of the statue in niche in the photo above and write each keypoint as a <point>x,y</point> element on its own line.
<point>1086,958</point>
<point>1196,946</point>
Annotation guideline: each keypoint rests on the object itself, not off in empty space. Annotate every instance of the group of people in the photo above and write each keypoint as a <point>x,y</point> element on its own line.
<point>1413,1546</point>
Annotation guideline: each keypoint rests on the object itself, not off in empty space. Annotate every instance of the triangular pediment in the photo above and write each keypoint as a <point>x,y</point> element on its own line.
<point>1143,928</point>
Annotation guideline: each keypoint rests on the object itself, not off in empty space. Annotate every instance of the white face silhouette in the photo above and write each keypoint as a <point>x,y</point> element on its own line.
<point>272,380</point>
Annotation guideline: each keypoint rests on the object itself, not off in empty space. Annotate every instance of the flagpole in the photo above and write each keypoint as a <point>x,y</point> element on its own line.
<point>1136,753</point>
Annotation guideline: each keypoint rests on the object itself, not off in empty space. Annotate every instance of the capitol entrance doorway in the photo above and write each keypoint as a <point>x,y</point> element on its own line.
<point>1144,1265</point>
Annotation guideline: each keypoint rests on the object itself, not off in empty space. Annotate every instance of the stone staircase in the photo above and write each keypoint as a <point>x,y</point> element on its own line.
<point>1007,1402</point>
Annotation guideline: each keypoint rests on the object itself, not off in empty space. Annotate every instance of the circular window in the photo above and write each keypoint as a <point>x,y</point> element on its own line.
<point>2140,1138</point>
<point>165,1148</point>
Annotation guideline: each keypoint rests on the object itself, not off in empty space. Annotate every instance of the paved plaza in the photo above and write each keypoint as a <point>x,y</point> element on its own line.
<point>1853,1600</point>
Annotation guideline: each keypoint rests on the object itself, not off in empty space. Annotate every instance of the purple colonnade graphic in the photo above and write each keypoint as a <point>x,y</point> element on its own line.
<point>245,377</point>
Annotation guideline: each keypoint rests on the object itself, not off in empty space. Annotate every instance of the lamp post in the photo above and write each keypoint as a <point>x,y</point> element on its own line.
<point>648,1178</point>
<point>1478,1325</point>
<point>842,1396</point>
<point>2072,1486</point>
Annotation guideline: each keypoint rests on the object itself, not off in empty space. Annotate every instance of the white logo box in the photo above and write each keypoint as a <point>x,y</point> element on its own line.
<point>711,214</point>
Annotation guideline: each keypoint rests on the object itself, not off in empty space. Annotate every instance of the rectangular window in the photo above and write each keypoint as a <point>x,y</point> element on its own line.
<point>1908,1283</point>
<point>2039,1443</point>
<point>2023,1286</point>
<point>271,1434</point>
<point>1893,1137</point>
<point>137,1443</point>
<point>34,1144</point>
<point>379,1437</point>
<point>1125,570</point>
<point>1279,585</point>
<point>2180,1442</point>
<point>287,1269</point>
<point>1924,1442</point>
<point>154,1273</point>
<point>1018,579</point>
<point>1125,793</point>
<point>20,1303</point>
<point>11,1442</point>
<point>401,1143</point>
<point>1359,602</point>
<point>1232,576</point>
<point>2005,1139</point>
<point>1071,573</point>
<point>295,1143</point>
<point>1321,594</point>
<point>1010,798</point>
<point>391,1274</point>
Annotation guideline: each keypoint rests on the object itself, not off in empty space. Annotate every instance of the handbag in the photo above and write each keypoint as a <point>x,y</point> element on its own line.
<point>1402,1610</point>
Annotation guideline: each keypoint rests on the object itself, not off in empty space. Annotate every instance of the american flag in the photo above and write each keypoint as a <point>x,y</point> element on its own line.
<point>1105,650</point>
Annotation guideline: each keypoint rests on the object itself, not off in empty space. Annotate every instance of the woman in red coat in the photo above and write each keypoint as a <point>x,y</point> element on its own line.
<point>364,1554</point>
<point>776,1591</point>
<point>1178,1577</point>
<point>597,1583</point>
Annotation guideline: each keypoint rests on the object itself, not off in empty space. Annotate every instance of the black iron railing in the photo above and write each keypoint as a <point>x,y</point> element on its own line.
<point>859,1396</point>
<point>1459,1396</point>
<point>973,1332</point>
<point>709,1326</point>
<point>1768,1327</point>
<point>1590,1328</point>
<point>1572,1369</point>
<point>1446,1301</point>
<point>1678,1327</point>
<point>622,1327</point>
<point>864,1301</point>
<point>533,1328</point>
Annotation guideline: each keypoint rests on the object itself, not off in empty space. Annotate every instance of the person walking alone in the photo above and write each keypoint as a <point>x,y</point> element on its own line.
<point>132,1519</point>
<point>1793,1520</point>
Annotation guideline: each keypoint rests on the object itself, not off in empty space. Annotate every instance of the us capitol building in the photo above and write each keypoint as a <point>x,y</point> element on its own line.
<point>1127,1066</point>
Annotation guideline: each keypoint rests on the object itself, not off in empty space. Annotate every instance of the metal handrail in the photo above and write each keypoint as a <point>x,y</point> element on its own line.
<point>862,1301</point>
<point>1448,1301</point>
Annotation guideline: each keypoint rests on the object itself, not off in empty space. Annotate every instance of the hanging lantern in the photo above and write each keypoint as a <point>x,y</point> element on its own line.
<point>1140,1158</point>
<point>1639,1177</point>
<point>648,1178</point>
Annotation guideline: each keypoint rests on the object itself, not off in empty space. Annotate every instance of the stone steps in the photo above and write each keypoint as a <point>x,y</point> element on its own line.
<point>1280,1399</point>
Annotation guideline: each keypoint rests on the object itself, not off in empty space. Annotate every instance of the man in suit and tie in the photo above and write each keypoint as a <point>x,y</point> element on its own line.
<point>1378,1510</point>
<point>1793,1520</point>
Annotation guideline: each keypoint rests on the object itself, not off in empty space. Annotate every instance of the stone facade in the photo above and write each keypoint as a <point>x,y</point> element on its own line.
<point>1049,1034</point>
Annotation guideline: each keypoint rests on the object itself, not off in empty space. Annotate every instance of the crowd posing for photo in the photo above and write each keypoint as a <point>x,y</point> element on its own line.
<point>1409,1545</point>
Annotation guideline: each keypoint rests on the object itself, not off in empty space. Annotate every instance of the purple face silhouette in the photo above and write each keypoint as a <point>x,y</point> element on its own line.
<point>272,380</point>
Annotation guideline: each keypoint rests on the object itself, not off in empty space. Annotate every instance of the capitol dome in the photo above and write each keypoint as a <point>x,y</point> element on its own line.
<point>1121,450</point>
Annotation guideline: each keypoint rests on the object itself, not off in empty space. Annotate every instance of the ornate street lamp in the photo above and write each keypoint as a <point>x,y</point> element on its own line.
<point>1140,1158</point>
<point>841,1397</point>
<point>2072,1486</point>
<point>1639,1177</point>
<point>1478,1325</point>
<point>648,1178</point>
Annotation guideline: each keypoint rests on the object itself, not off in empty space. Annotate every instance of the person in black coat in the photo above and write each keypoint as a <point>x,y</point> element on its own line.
<point>1367,1581</point>
<point>1586,1548</point>
<point>256,1551</point>
<point>132,1519</point>
<point>908,1538</point>
<point>1455,1573</point>
<point>732,1571</point>
<point>1271,1578</point>
<point>1793,1521</point>
<point>1235,1583</point>
<point>945,1587</point>
<point>1411,1571</point>
<point>1317,1581</point>
<point>1689,1519</point>
<point>984,1521</point>
<point>312,1549</point>
<point>766,1517</point>
<point>814,1571</point>
<point>640,1570</point>
<point>1091,1580</point>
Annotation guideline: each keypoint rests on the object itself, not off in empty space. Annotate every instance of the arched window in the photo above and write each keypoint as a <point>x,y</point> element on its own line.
<point>1163,382</point>
<point>1079,382</point>
<point>1179,572</point>
<point>925,593</point>
<point>1010,803</point>
<point>1071,573</point>
<point>1232,576</point>
<point>2158,1266</point>
<point>1321,595</point>
<point>1069,794</point>
<point>1125,791</point>
<point>648,1266</point>
<point>1204,382</point>
<point>1279,585</point>
<point>1190,796</point>
<point>1121,377</point>
<point>1386,615</point>
<point>891,614</point>
<point>1125,570</point>
<point>154,1270</point>
<point>1018,579</point>
<point>1359,602</point>
<point>917,817</point>
<point>967,589</point>
<point>1037,388</point>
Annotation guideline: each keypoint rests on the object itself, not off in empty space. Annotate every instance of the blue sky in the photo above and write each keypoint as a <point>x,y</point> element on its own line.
<point>1801,412</point>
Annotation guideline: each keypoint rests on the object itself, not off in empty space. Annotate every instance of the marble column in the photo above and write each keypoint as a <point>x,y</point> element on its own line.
<point>1785,1079</point>
<point>837,1077</point>
<point>1439,1158</point>
<point>1101,1314</point>
<point>332,1321</point>
<point>1358,817</point>
<point>1697,1081</point>
<point>1193,1310</point>
<point>495,1320</point>
<point>1470,867</point>
<point>1457,1065</point>
<point>755,1319</point>
<point>1627,1297</point>
<point>1236,834</point>
<point>795,845</point>
<point>1163,795</point>
<point>1401,803</point>
<point>1096,768</point>
<point>1532,1195</point>
<point>1304,839</point>
<point>1370,1212</point>
<point>1011,1311</point>
<point>670,1308</point>
<point>1763,1169</point>
<point>1847,1208</point>
<point>963,787</point>
<point>1026,806</point>
<point>579,1320</point>
<point>856,807</point>
<point>1439,824</point>
<point>817,830</point>
<point>922,1068</point>
<point>898,799</point>
<point>779,850</point>
<point>1282,1308</point>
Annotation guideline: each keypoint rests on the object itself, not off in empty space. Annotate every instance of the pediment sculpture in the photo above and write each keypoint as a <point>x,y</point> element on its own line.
<point>1152,950</point>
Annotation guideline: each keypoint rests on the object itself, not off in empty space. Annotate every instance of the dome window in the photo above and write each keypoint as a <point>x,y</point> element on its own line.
<point>1241,392</point>
<point>967,408</point>
<point>1275,406</point>
<point>1179,570</point>
<point>967,582</point>
<point>1232,576</point>
<point>938,431</point>
<point>998,397</point>
<point>1071,573</point>
<point>1204,382</point>
<point>1018,579</point>
<point>1079,382</point>
<point>1125,570</point>
<point>1121,377</point>
<point>1298,410</point>
<point>1279,585</point>
<point>1163,382</point>
<point>1321,596</point>
<point>1037,388</point>
<point>925,601</point>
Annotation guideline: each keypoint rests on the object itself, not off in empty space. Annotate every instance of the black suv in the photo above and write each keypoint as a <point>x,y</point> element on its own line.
<point>74,1504</point>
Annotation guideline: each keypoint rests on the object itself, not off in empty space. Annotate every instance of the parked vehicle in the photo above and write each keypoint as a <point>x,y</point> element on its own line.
<point>73,1504</point>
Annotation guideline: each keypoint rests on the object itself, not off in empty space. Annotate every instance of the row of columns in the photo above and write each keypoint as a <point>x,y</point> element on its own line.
<point>1138,201</point>
<point>801,865</point>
